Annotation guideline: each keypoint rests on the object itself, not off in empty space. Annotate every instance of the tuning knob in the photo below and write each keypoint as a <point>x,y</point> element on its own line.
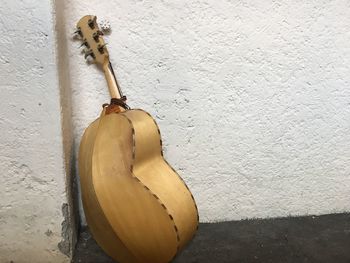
<point>88,53</point>
<point>78,33</point>
<point>85,43</point>
<point>97,35</point>
<point>101,48</point>
<point>92,22</point>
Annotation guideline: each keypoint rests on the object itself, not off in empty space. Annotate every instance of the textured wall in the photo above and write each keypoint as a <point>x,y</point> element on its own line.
<point>33,209</point>
<point>252,97</point>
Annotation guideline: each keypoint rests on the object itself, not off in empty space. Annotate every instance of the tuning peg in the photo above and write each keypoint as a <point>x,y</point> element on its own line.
<point>85,43</point>
<point>89,53</point>
<point>92,22</point>
<point>97,34</point>
<point>101,48</point>
<point>78,33</point>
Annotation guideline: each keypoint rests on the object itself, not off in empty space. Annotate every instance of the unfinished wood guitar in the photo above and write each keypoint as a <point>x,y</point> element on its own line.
<point>137,207</point>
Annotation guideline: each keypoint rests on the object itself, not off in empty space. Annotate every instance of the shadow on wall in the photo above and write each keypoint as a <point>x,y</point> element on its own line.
<point>70,226</point>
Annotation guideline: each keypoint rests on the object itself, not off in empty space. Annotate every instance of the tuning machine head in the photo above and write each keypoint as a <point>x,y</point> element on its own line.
<point>85,43</point>
<point>97,35</point>
<point>89,52</point>
<point>101,48</point>
<point>91,36</point>
<point>92,22</point>
<point>78,33</point>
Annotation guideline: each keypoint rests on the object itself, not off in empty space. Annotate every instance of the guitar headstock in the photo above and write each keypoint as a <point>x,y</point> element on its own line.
<point>91,35</point>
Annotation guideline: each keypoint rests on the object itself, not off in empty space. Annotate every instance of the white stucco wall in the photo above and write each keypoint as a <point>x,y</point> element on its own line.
<point>252,97</point>
<point>33,203</point>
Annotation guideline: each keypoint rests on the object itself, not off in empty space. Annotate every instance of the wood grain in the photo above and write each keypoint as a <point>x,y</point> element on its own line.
<point>137,207</point>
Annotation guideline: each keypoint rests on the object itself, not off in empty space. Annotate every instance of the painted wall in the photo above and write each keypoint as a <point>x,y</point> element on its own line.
<point>34,214</point>
<point>252,97</point>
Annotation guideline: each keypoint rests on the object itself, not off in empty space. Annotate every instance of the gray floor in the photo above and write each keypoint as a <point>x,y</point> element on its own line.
<point>301,239</point>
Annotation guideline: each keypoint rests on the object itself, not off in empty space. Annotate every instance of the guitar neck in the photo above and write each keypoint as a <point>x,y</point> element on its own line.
<point>113,86</point>
<point>95,47</point>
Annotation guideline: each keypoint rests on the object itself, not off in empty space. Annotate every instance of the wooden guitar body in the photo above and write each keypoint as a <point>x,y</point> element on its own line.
<point>137,207</point>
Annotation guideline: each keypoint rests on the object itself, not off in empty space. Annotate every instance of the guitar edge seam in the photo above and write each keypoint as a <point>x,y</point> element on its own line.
<point>161,147</point>
<point>149,190</point>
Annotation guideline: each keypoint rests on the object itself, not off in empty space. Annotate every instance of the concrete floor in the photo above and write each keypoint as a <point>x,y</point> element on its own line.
<point>324,239</point>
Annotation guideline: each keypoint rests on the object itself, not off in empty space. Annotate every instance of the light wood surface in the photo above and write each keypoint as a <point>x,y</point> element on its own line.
<point>95,46</point>
<point>131,193</point>
<point>112,83</point>
<point>99,225</point>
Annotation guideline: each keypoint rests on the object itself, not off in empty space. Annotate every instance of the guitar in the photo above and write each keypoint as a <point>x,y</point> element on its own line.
<point>137,207</point>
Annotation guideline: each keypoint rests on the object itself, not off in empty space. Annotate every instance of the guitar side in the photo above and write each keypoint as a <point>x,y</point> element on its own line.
<point>137,197</point>
<point>99,226</point>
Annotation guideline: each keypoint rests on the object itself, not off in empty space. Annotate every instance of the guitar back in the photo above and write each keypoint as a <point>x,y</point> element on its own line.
<point>136,205</point>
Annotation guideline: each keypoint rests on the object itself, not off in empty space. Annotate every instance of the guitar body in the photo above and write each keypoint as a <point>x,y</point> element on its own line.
<point>137,207</point>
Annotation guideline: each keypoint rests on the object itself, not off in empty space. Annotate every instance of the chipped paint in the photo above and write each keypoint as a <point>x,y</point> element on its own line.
<point>65,244</point>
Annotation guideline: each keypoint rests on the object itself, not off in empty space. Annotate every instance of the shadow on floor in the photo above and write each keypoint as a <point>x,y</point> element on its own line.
<point>321,239</point>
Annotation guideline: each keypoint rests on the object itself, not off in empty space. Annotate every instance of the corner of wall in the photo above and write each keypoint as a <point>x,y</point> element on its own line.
<point>70,224</point>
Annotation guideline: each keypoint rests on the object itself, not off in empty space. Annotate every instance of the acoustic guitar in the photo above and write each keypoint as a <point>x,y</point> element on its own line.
<point>137,207</point>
